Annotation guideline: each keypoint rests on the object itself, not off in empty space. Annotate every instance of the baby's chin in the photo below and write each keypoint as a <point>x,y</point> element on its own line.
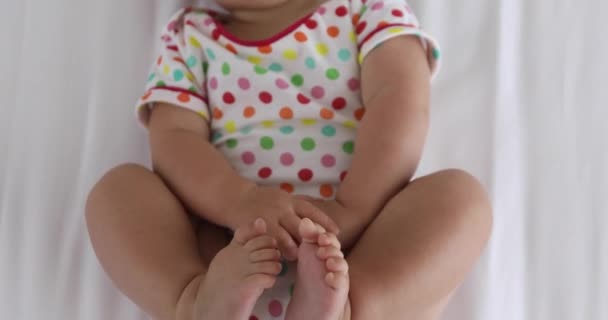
<point>249,4</point>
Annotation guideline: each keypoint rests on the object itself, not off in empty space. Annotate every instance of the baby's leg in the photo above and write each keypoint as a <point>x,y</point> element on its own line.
<point>146,243</point>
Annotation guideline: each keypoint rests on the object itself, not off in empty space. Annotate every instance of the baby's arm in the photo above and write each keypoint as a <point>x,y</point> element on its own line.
<point>395,87</point>
<point>192,167</point>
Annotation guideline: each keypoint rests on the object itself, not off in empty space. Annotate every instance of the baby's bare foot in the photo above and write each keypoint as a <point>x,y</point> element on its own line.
<point>238,275</point>
<point>322,283</point>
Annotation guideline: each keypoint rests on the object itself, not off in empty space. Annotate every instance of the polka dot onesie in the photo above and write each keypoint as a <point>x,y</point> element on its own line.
<point>285,110</point>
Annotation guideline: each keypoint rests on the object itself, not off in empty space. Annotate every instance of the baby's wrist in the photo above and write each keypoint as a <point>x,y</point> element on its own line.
<point>235,215</point>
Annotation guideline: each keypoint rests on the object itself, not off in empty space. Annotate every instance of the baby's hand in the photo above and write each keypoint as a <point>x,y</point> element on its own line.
<point>282,213</point>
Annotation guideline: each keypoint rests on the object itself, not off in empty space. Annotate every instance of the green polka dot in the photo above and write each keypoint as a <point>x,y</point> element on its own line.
<point>232,143</point>
<point>332,74</point>
<point>191,62</point>
<point>205,67</point>
<point>291,289</point>
<point>216,136</point>
<point>283,268</point>
<point>436,53</point>
<point>344,55</point>
<point>161,84</point>
<point>276,67</point>
<point>328,131</point>
<point>151,77</point>
<point>348,147</point>
<point>308,144</point>
<point>210,54</point>
<point>192,89</point>
<point>225,69</point>
<point>178,75</point>
<point>259,69</point>
<point>266,143</point>
<point>297,80</point>
<point>286,129</point>
<point>310,63</point>
<point>246,129</point>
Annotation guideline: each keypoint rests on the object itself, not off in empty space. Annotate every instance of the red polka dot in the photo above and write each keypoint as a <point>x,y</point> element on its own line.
<point>338,103</point>
<point>343,175</point>
<point>253,318</point>
<point>228,98</point>
<point>159,60</point>
<point>311,24</point>
<point>341,11</point>
<point>183,97</point>
<point>147,95</point>
<point>275,308</point>
<point>303,99</point>
<point>265,172</point>
<point>360,27</point>
<point>305,175</point>
<point>265,97</point>
<point>397,13</point>
<point>359,113</point>
<point>216,34</point>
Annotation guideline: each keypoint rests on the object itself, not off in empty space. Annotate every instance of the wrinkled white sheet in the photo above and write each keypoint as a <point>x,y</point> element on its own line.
<point>521,102</point>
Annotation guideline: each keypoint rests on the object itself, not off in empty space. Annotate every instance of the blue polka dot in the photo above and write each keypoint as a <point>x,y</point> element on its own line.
<point>344,55</point>
<point>216,136</point>
<point>286,129</point>
<point>178,75</point>
<point>328,131</point>
<point>210,54</point>
<point>191,62</point>
<point>276,67</point>
<point>246,129</point>
<point>151,77</point>
<point>310,63</point>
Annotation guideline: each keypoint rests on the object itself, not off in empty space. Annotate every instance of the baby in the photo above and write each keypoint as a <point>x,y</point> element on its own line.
<point>283,135</point>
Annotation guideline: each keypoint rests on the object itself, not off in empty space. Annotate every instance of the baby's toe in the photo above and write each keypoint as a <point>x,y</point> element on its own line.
<point>260,280</point>
<point>246,233</point>
<point>329,251</point>
<point>261,242</point>
<point>336,280</point>
<point>328,239</point>
<point>336,264</point>
<point>271,268</point>
<point>265,255</point>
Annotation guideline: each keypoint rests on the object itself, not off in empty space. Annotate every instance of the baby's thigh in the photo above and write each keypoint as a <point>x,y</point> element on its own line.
<point>211,238</point>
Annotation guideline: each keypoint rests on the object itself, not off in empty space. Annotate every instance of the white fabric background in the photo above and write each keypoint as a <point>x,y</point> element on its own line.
<point>521,102</point>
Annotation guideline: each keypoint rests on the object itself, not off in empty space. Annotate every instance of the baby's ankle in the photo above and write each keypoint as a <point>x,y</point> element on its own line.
<point>184,310</point>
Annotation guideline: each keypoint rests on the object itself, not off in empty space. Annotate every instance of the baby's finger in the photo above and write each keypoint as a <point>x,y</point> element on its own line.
<point>291,224</point>
<point>305,209</point>
<point>246,233</point>
<point>287,245</point>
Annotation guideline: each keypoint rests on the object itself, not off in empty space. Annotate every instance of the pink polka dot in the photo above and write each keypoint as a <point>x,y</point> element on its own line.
<point>265,172</point>
<point>287,159</point>
<point>281,84</point>
<point>321,10</point>
<point>248,157</point>
<point>305,174</point>
<point>265,97</point>
<point>338,103</point>
<point>354,84</point>
<point>208,21</point>
<point>228,98</point>
<point>378,5</point>
<point>317,92</point>
<point>328,161</point>
<point>275,308</point>
<point>213,83</point>
<point>244,84</point>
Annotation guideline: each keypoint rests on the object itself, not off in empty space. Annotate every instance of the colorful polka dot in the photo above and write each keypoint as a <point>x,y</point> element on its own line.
<point>328,131</point>
<point>305,175</point>
<point>310,63</point>
<point>378,5</point>
<point>300,36</point>
<point>290,54</point>
<point>359,113</point>
<point>178,75</point>
<point>217,114</point>
<point>276,67</point>
<point>232,143</point>
<point>326,190</point>
<point>344,55</point>
<point>225,68</point>
<point>191,61</point>
<point>183,97</point>
<point>281,84</point>
<point>265,49</point>
<point>332,74</point>
<point>308,122</point>
<point>303,99</point>
<point>397,13</point>
<point>297,80</point>
<point>326,114</point>
<point>246,130</point>
<point>348,147</point>
<point>213,83</point>
<point>194,42</point>
<point>343,175</point>
<point>248,157</point>
<point>248,112</point>
<point>333,31</point>
<point>265,173</point>
<point>244,84</point>
<point>259,70</point>
<point>230,126</point>
<point>286,129</point>
<point>265,97</point>
<point>275,308</point>
<point>349,124</point>
<point>328,161</point>
<point>287,159</point>
<point>216,136</point>
<point>228,98</point>
<point>322,49</point>
<point>308,144</point>
<point>210,54</point>
<point>286,113</point>
<point>287,187</point>
<point>267,123</point>
<point>311,24</point>
<point>253,318</point>
<point>267,143</point>
<point>353,84</point>
<point>160,84</point>
<point>254,59</point>
<point>338,103</point>
<point>317,92</point>
<point>341,11</point>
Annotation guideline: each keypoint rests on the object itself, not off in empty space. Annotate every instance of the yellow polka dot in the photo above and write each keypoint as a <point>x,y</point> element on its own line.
<point>350,124</point>
<point>166,69</point>
<point>190,76</point>
<point>395,30</point>
<point>322,49</point>
<point>230,126</point>
<point>353,37</point>
<point>360,58</point>
<point>267,123</point>
<point>309,122</point>
<point>202,114</point>
<point>254,59</point>
<point>290,54</point>
<point>194,42</point>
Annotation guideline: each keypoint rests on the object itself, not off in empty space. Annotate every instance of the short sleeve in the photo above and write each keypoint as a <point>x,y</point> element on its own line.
<point>376,21</point>
<point>177,76</point>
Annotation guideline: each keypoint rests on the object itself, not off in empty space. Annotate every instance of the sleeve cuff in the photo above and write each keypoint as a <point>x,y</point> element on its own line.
<point>175,96</point>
